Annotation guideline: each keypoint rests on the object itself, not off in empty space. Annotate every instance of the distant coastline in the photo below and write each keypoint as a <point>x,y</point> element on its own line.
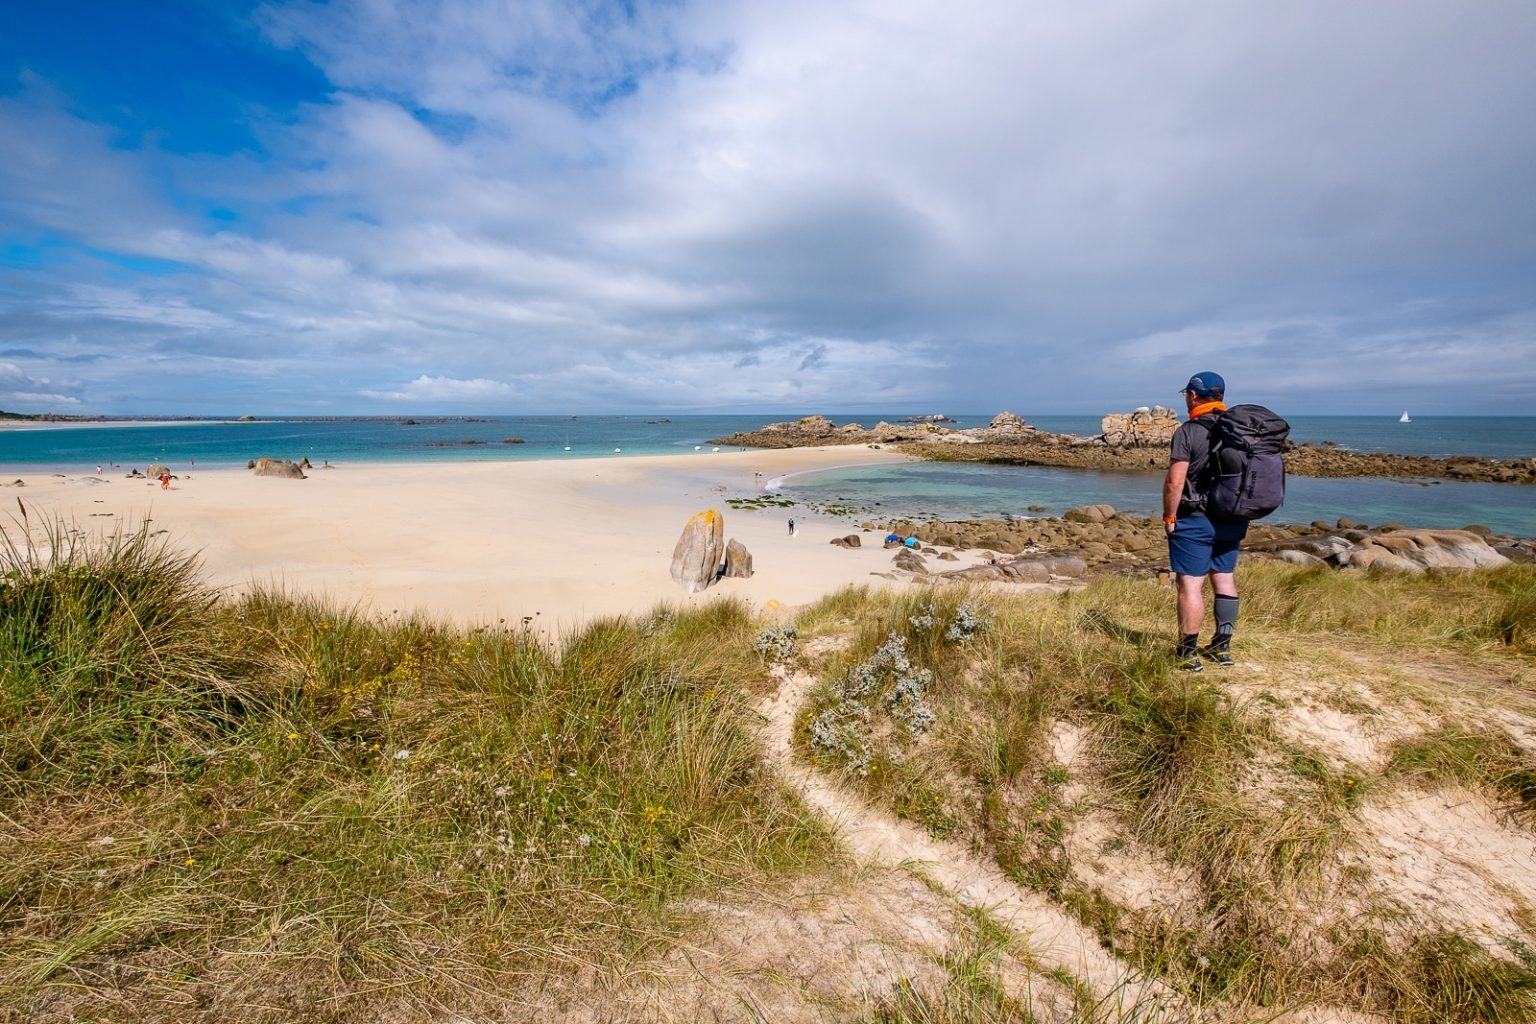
<point>1009,440</point>
<point>56,419</point>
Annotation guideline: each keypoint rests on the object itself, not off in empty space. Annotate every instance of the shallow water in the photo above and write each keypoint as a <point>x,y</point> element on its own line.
<point>947,490</point>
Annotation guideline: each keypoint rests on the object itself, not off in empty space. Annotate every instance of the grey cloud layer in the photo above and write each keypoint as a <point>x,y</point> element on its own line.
<point>1044,207</point>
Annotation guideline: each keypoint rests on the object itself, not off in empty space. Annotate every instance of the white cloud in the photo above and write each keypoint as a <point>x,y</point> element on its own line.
<point>22,392</point>
<point>445,389</point>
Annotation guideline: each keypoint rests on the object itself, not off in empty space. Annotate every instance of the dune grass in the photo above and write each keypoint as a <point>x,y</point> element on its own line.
<point>1188,769</point>
<point>302,809</point>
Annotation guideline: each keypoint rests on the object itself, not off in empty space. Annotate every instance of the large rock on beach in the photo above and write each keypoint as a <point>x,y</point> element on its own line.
<point>738,561</point>
<point>1090,514</point>
<point>284,468</point>
<point>696,558</point>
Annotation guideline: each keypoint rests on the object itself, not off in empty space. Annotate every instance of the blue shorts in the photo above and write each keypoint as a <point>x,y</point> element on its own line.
<point>1199,545</point>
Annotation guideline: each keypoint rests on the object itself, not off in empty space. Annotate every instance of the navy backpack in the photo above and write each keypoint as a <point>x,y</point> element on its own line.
<point>1244,476</point>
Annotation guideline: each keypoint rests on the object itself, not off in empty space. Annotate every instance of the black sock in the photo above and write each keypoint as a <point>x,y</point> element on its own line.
<point>1187,644</point>
<point>1226,620</point>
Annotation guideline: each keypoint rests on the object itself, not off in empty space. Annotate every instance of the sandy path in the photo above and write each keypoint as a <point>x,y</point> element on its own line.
<point>875,836</point>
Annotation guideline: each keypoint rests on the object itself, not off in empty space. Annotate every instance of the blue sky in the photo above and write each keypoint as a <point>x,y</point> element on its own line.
<point>532,206</point>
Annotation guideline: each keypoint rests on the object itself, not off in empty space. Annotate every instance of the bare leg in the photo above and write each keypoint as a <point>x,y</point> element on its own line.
<point>1192,602</point>
<point>1224,583</point>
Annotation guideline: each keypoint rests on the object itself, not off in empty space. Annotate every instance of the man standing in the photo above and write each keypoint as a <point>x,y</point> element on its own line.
<point>1200,547</point>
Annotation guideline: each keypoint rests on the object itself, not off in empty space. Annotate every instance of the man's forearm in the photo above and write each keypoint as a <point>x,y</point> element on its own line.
<point>1173,489</point>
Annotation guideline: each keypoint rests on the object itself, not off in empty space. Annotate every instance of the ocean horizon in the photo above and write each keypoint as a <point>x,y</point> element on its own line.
<point>71,447</point>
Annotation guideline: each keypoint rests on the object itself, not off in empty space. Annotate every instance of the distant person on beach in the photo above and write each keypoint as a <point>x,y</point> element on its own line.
<point>1199,547</point>
<point>165,481</point>
<point>791,526</point>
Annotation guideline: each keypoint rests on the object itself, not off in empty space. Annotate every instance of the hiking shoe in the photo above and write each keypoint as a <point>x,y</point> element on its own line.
<point>1220,655</point>
<point>1188,663</point>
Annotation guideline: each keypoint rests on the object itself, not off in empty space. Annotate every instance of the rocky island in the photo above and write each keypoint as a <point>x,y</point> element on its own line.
<point>1129,441</point>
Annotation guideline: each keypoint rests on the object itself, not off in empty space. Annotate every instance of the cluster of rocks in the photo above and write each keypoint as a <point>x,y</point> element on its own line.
<point>702,555</point>
<point>1128,441</point>
<point>1023,569</point>
<point>1147,427</point>
<point>814,431</point>
<point>1396,548</point>
<point>1096,535</point>
<point>1098,540</point>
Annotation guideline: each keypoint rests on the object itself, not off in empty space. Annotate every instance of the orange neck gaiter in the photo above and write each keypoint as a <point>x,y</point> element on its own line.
<point>1200,410</point>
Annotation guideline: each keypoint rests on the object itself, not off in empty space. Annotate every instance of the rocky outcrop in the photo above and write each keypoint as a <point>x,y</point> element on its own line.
<point>1132,441</point>
<point>696,558</point>
<point>1039,569</point>
<point>1099,538</point>
<point>1147,427</point>
<point>1401,550</point>
<point>850,541</point>
<point>283,468</point>
<point>805,432</point>
<point>1329,460</point>
<point>1126,544</point>
<point>738,561</point>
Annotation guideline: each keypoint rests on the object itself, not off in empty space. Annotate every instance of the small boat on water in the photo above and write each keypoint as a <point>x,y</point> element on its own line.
<point>1404,417</point>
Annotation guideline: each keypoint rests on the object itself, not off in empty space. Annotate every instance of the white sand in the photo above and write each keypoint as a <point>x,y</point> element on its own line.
<point>558,541</point>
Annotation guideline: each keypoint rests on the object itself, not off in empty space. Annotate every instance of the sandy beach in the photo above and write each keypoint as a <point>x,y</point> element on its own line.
<point>555,542</point>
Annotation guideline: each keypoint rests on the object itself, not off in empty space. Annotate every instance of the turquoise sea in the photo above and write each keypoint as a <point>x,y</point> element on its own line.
<point>919,490</point>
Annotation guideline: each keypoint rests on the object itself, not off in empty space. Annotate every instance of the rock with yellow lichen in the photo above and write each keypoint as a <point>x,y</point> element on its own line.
<point>696,558</point>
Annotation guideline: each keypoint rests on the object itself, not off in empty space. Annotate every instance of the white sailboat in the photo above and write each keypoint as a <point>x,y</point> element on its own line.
<point>1404,417</point>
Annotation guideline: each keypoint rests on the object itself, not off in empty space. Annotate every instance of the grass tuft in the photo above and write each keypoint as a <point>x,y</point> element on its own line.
<point>1486,757</point>
<point>112,661</point>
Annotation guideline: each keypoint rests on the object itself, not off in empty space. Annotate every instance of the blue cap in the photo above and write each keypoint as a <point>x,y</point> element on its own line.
<point>1206,384</point>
